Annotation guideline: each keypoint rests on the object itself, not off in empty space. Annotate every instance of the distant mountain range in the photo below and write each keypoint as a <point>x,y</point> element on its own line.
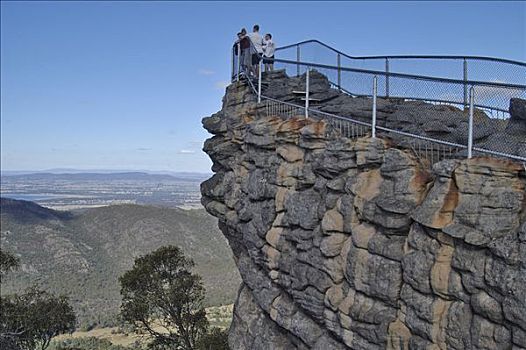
<point>105,176</point>
<point>83,253</point>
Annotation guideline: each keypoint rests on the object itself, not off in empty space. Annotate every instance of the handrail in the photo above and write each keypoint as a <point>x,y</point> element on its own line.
<point>394,131</point>
<point>335,116</point>
<point>484,58</point>
<point>420,99</point>
<point>513,88</point>
<point>403,75</point>
<point>470,147</point>
<point>349,119</point>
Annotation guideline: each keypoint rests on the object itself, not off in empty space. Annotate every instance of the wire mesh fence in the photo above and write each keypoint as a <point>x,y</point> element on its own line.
<point>429,151</point>
<point>405,76</point>
<point>426,114</point>
<point>472,68</point>
<point>422,112</point>
<point>492,97</point>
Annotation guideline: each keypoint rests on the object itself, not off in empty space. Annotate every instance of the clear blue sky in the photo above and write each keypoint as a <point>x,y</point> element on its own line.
<point>124,85</point>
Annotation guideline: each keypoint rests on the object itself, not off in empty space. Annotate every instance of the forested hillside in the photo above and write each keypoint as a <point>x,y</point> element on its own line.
<point>83,253</point>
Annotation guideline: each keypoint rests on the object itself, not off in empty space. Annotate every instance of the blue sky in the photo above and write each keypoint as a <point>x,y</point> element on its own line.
<point>124,85</point>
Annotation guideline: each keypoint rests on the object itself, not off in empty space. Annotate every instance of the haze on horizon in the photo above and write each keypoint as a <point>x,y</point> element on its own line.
<point>124,85</point>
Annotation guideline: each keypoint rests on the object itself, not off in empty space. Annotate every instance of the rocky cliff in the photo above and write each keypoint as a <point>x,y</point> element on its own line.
<point>357,243</point>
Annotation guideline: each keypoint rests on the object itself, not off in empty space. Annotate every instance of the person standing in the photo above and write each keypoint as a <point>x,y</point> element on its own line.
<point>244,43</point>
<point>236,48</point>
<point>268,52</point>
<point>257,42</point>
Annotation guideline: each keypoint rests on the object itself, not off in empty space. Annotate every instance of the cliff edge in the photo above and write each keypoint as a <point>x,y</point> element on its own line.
<point>356,243</point>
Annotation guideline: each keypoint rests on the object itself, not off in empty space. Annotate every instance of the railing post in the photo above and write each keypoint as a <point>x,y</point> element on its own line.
<point>298,60</point>
<point>259,80</point>
<point>465,83</point>
<point>387,77</point>
<point>307,92</point>
<point>232,64</point>
<point>375,92</point>
<point>470,123</point>
<point>238,59</point>
<point>339,73</point>
<point>307,83</point>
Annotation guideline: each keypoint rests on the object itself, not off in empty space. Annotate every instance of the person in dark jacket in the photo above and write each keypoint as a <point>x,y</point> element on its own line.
<point>243,44</point>
<point>245,56</point>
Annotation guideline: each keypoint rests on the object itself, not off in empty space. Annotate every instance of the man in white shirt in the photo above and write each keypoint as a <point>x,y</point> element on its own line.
<point>257,42</point>
<point>268,52</point>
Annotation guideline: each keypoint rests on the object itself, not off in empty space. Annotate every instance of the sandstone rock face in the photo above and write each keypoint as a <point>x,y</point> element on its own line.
<point>355,244</point>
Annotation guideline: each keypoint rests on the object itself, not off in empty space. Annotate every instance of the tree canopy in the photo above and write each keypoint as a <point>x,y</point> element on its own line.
<point>7,263</point>
<point>162,297</point>
<point>37,316</point>
<point>30,320</point>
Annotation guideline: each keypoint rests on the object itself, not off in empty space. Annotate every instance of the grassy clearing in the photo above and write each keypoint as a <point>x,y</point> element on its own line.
<point>218,316</point>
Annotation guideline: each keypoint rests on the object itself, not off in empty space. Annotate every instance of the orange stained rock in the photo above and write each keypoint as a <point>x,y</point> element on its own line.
<point>292,125</point>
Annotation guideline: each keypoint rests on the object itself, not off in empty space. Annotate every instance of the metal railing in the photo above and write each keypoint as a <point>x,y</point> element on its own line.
<point>357,82</point>
<point>493,97</point>
<point>502,78</point>
<point>465,68</point>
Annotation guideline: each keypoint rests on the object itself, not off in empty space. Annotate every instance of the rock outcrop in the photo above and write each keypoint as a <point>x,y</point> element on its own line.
<point>358,244</point>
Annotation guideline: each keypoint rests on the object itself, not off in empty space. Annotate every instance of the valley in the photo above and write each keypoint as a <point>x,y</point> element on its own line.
<point>82,253</point>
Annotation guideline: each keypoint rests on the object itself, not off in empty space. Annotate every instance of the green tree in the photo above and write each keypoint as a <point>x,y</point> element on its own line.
<point>29,321</point>
<point>36,317</point>
<point>161,296</point>
<point>9,333</point>
<point>50,316</point>
<point>7,263</point>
